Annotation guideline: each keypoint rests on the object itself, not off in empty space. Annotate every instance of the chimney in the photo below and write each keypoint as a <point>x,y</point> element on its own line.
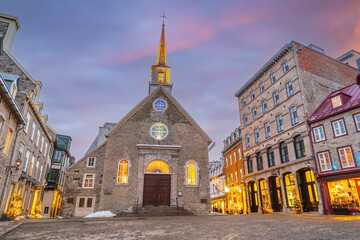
<point>358,79</point>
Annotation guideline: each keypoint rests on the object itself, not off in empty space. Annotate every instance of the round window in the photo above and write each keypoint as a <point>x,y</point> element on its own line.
<point>160,105</point>
<point>159,131</point>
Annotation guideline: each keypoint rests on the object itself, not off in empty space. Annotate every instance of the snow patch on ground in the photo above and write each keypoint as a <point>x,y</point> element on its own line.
<point>100,214</point>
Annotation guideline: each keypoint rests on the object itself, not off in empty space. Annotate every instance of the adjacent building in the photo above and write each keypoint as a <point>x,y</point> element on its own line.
<point>157,155</point>
<point>233,172</point>
<point>335,134</point>
<point>33,140</point>
<point>351,58</point>
<point>61,160</point>
<point>217,186</point>
<point>274,106</point>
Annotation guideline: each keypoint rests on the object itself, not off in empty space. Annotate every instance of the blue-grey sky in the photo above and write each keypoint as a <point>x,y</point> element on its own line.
<point>94,57</point>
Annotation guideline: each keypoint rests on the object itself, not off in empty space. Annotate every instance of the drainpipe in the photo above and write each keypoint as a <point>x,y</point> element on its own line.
<point>8,172</point>
<point>318,178</point>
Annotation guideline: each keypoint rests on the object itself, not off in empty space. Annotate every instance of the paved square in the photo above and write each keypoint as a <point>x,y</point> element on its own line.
<point>254,226</point>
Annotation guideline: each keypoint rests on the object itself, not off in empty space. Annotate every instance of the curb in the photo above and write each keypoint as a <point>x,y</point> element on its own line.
<point>11,229</point>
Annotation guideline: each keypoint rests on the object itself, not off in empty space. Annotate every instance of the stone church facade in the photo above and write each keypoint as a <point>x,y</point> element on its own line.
<point>156,155</point>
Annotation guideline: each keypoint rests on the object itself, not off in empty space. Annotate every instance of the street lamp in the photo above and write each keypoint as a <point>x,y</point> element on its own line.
<point>18,163</point>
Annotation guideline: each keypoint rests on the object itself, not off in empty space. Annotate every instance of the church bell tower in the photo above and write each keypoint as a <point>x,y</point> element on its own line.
<point>160,72</point>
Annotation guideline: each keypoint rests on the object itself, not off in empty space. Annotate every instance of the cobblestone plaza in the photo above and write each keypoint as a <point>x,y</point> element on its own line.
<point>226,227</point>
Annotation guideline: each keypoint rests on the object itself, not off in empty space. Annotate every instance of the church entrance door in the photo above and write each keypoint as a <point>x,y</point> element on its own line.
<point>157,189</point>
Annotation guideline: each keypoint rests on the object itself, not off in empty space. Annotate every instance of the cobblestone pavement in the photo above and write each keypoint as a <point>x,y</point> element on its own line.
<point>254,226</point>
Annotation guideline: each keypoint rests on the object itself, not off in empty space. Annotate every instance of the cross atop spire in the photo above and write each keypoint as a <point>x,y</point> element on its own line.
<point>163,17</point>
<point>161,60</point>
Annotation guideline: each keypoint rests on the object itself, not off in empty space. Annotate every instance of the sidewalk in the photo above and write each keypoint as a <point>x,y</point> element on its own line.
<point>6,226</point>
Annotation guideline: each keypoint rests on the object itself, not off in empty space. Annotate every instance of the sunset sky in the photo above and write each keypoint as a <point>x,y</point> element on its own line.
<point>94,57</point>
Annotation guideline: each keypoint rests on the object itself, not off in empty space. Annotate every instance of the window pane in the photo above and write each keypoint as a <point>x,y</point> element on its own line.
<point>89,202</point>
<point>81,202</point>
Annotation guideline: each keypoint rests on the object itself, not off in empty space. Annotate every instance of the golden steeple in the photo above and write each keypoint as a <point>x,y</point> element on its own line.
<point>161,59</point>
<point>160,72</point>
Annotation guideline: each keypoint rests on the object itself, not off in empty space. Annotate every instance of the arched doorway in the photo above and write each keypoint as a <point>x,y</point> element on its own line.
<point>157,182</point>
<point>275,193</point>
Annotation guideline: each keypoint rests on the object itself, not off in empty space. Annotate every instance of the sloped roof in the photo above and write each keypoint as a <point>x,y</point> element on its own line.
<point>173,100</point>
<point>325,110</point>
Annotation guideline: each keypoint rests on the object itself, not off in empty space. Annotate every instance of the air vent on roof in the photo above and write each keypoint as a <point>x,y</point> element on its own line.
<point>316,48</point>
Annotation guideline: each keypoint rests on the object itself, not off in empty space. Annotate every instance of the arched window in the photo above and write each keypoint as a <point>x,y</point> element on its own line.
<point>157,166</point>
<point>290,189</point>
<point>123,172</point>
<point>299,147</point>
<point>191,178</point>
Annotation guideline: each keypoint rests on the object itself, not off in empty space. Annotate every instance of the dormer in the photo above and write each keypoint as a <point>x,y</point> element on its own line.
<point>339,99</point>
<point>11,82</point>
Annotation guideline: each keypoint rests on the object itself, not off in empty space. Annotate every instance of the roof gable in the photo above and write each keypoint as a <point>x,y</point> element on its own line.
<point>173,100</point>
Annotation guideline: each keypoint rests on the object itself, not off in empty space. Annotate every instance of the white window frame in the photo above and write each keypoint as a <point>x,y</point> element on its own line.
<point>42,144</point>
<point>245,120</point>
<point>339,128</point>
<point>234,157</point>
<point>41,170</point>
<point>45,148</point>
<point>27,159</point>
<point>272,77</point>
<point>257,135</point>
<point>319,134</point>
<point>357,121</point>
<point>28,119</point>
<point>230,160</point>
<point>325,161</point>
<point>247,140</point>
<point>93,180</point>
<point>88,162</point>
<point>264,106</point>
<point>289,89</point>
<point>127,173</point>
<point>32,134</point>
<point>254,113</point>
<point>294,116</point>
<point>276,98</point>
<point>252,95</point>
<point>285,67</point>
<point>37,138</point>
<point>261,87</point>
<point>346,157</point>
<point>336,101</point>
<point>196,173</point>
<point>279,123</point>
<point>267,130</point>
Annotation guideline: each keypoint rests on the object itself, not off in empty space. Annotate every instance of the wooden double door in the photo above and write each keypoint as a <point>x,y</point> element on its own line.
<point>157,189</point>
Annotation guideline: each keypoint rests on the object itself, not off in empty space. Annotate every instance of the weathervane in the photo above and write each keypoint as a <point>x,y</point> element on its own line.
<point>163,17</point>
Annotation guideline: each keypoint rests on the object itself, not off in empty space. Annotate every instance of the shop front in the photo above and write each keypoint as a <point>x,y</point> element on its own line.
<point>218,205</point>
<point>343,195</point>
<point>236,200</point>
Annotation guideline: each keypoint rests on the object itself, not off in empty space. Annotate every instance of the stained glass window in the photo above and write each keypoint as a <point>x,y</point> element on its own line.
<point>157,167</point>
<point>159,131</point>
<point>123,172</point>
<point>191,173</point>
<point>160,105</point>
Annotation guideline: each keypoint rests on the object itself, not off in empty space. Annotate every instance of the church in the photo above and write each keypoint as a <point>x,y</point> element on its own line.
<point>157,155</point>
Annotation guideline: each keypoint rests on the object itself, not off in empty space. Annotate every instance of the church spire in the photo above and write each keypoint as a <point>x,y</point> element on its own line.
<point>161,59</point>
<point>160,72</point>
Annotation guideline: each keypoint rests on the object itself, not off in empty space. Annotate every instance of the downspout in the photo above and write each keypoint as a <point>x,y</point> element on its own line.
<point>9,171</point>
<point>318,178</point>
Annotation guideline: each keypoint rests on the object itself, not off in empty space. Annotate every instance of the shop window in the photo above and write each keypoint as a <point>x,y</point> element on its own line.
<point>259,161</point>
<point>319,134</point>
<point>324,161</point>
<point>263,193</point>
<point>290,189</point>
<point>284,156</point>
<point>339,128</point>
<point>123,172</point>
<point>346,157</point>
<point>344,194</point>
<point>270,156</point>
<point>299,147</point>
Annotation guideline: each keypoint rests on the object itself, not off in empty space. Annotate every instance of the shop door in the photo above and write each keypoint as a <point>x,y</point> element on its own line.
<point>253,197</point>
<point>308,191</point>
<point>275,194</point>
<point>156,189</point>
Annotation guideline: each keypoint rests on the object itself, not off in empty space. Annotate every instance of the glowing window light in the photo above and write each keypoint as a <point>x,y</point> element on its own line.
<point>157,167</point>
<point>159,131</point>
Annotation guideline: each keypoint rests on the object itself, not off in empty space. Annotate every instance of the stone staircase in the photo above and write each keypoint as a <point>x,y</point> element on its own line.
<point>150,211</point>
